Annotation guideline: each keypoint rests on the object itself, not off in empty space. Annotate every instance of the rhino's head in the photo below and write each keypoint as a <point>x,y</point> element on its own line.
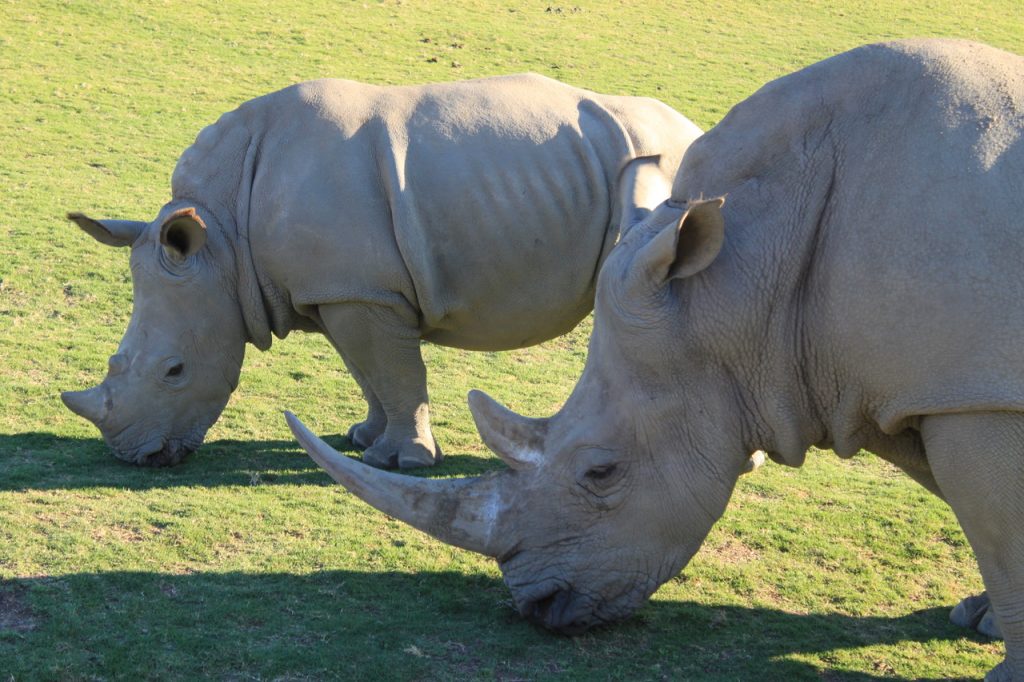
<point>182,353</point>
<point>610,497</point>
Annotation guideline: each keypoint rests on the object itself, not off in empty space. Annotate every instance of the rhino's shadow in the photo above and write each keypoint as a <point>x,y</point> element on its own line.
<point>43,461</point>
<point>426,625</point>
<point>462,624</point>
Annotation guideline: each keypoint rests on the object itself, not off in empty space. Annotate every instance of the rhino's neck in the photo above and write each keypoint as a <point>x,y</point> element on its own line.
<point>233,238</point>
<point>765,279</point>
<point>204,175</point>
<point>250,293</point>
<point>264,307</point>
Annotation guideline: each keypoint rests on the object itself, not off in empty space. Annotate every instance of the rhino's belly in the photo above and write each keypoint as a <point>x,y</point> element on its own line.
<point>497,327</point>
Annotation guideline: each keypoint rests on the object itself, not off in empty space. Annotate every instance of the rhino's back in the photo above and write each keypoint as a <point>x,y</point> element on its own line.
<point>488,204</point>
<point>511,203</point>
<point>888,184</point>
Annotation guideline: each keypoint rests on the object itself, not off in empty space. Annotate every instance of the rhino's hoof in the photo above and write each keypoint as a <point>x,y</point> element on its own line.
<point>418,454</point>
<point>386,453</point>
<point>363,434</point>
<point>381,455</point>
<point>975,612</point>
<point>988,625</point>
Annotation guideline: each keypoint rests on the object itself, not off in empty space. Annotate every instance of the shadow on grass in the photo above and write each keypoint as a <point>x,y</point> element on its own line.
<point>43,461</point>
<point>440,625</point>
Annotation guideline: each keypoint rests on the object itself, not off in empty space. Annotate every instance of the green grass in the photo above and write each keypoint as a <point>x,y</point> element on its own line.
<point>245,563</point>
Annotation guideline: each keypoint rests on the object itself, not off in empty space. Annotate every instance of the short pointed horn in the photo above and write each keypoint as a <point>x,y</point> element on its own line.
<point>462,512</point>
<point>517,440</point>
<point>91,403</point>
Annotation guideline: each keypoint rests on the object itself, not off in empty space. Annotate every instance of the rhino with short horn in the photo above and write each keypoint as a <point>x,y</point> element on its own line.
<point>471,214</point>
<point>861,286</point>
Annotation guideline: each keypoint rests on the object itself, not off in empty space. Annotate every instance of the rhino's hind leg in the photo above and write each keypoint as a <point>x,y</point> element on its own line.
<point>381,346</point>
<point>975,459</point>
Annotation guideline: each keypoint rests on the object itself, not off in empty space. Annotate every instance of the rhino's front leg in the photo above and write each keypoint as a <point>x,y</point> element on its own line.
<point>381,346</point>
<point>972,612</point>
<point>976,460</point>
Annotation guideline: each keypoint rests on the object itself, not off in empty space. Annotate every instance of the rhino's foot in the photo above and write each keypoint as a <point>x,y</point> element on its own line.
<point>363,434</point>
<point>976,613</point>
<point>386,453</point>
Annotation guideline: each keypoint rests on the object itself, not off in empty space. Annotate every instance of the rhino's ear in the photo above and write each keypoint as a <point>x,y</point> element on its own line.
<point>183,233</point>
<point>517,440</point>
<point>109,232</point>
<point>686,248</point>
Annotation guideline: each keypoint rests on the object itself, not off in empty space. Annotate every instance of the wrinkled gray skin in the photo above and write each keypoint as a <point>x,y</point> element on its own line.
<point>472,214</point>
<point>861,287</point>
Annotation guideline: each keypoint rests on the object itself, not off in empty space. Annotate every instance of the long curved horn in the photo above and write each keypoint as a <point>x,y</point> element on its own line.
<point>90,403</point>
<point>462,512</point>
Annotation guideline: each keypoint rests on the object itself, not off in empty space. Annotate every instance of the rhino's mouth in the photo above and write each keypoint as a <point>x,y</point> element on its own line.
<point>564,611</point>
<point>555,605</point>
<point>572,607</point>
<point>159,452</point>
<point>169,455</point>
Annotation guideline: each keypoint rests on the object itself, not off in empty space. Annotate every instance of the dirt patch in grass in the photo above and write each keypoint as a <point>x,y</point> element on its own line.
<point>731,551</point>
<point>15,614</point>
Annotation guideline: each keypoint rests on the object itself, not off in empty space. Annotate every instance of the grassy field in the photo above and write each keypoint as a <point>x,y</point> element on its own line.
<point>245,563</point>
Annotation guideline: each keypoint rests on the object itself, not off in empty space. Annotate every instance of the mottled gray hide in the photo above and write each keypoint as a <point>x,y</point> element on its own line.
<point>472,214</point>
<point>861,287</point>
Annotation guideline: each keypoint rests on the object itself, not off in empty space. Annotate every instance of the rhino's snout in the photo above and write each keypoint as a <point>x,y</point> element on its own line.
<point>93,404</point>
<point>156,450</point>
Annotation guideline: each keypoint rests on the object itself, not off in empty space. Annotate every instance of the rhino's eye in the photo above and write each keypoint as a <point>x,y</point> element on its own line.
<point>601,473</point>
<point>175,371</point>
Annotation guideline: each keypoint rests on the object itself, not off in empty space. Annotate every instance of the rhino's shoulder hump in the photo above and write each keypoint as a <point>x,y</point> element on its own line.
<point>211,165</point>
<point>317,92</point>
<point>873,86</point>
